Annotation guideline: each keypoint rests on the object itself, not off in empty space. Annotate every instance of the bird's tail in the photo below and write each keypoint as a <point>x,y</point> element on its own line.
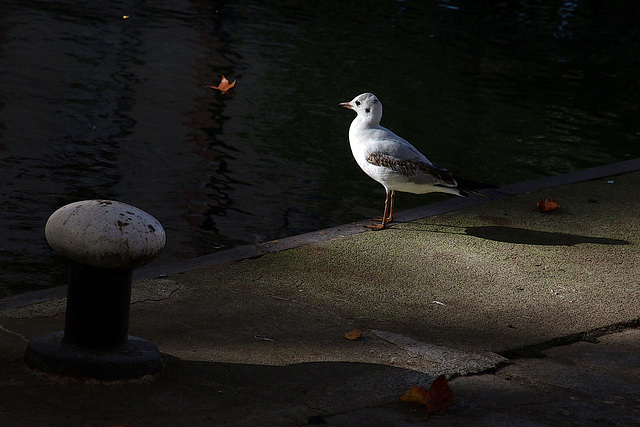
<point>462,193</point>
<point>477,193</point>
<point>468,185</point>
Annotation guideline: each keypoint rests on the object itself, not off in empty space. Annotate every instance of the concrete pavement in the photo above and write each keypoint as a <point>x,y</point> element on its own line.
<point>531,315</point>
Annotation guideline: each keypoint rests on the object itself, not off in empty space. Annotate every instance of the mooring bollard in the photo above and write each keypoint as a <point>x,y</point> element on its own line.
<point>104,241</point>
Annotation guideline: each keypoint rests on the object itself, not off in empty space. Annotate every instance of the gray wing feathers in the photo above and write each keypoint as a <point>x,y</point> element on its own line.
<point>414,169</point>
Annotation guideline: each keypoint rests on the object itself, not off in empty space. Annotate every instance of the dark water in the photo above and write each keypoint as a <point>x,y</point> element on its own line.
<point>96,106</point>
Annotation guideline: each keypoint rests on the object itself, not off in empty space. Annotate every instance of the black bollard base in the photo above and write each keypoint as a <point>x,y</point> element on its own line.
<point>48,353</point>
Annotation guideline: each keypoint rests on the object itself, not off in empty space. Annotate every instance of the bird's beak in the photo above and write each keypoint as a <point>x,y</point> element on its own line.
<point>345,105</point>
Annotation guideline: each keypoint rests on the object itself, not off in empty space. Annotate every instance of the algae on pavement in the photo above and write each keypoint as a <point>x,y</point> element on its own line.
<point>486,278</point>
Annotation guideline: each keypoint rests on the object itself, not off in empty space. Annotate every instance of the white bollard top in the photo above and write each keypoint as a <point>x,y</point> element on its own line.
<point>105,234</point>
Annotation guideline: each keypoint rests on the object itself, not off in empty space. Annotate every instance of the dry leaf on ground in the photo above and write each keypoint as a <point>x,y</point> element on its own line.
<point>547,205</point>
<point>436,399</point>
<point>353,335</point>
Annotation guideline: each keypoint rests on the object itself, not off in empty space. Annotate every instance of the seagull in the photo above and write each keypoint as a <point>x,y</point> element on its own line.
<point>392,160</point>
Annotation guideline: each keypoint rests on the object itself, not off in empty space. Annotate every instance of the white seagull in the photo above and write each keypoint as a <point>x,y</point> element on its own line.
<point>392,160</point>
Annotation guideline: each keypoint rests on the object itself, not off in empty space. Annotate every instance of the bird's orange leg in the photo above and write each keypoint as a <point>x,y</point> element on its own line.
<point>391,200</point>
<point>392,204</point>
<point>385,216</point>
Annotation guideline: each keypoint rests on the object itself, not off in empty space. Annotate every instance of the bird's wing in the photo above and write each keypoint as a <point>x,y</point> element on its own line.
<point>414,169</point>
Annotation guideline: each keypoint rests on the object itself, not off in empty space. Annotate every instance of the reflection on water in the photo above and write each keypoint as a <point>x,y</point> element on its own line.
<point>96,106</point>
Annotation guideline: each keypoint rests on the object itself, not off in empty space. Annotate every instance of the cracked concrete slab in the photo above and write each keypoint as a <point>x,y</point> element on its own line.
<point>449,361</point>
<point>143,291</point>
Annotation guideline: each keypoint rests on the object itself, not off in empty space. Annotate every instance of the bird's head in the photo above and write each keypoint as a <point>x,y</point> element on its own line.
<point>367,106</point>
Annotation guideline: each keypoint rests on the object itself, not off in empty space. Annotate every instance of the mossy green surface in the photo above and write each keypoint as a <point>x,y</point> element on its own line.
<point>485,277</point>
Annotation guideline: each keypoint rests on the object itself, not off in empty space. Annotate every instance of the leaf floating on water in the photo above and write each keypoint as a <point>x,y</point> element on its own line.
<point>224,85</point>
<point>436,399</point>
<point>547,205</point>
<point>353,335</point>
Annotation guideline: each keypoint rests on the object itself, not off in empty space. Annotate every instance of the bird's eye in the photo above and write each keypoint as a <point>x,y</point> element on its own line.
<point>367,109</point>
<point>357,102</point>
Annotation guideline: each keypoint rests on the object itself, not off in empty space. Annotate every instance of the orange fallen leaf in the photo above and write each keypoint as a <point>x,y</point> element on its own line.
<point>353,335</point>
<point>439,396</point>
<point>224,85</point>
<point>416,394</point>
<point>547,205</point>
<point>436,399</point>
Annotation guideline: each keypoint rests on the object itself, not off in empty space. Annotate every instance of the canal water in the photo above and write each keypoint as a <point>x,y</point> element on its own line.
<point>108,99</point>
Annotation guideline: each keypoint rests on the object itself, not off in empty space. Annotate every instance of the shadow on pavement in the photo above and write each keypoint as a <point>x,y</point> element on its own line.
<point>209,393</point>
<point>534,237</point>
